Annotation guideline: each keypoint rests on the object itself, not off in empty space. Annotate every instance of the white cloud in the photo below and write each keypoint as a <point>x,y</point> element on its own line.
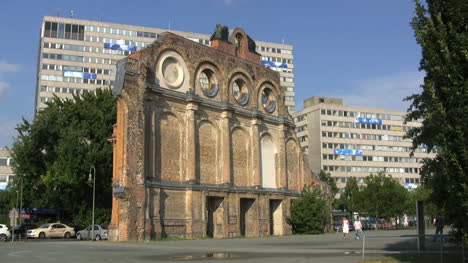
<point>6,67</point>
<point>385,92</point>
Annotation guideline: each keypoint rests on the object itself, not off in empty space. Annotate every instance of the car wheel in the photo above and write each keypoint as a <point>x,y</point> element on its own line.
<point>42,235</point>
<point>98,237</point>
<point>3,237</point>
<point>78,236</point>
<point>67,235</point>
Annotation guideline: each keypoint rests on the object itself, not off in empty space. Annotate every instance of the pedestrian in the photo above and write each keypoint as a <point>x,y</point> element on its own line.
<point>439,224</point>
<point>358,228</point>
<point>345,226</point>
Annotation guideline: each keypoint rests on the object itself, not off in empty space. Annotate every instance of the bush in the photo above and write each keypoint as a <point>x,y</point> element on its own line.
<point>309,212</point>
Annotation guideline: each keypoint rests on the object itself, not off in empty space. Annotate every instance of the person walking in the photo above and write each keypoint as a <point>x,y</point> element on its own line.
<point>439,224</point>
<point>345,226</point>
<point>358,228</point>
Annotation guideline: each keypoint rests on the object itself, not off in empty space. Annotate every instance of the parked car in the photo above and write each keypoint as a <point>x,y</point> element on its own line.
<point>339,227</point>
<point>373,224</point>
<point>336,226</point>
<point>20,230</point>
<point>382,225</point>
<point>51,230</point>
<point>4,233</point>
<point>366,225</point>
<point>100,233</point>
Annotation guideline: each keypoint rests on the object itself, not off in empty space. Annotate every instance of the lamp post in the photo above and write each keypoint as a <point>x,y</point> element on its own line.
<point>94,196</point>
<point>21,200</point>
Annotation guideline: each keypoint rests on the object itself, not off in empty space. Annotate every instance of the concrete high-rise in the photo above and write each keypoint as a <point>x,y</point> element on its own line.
<point>77,55</point>
<point>356,141</point>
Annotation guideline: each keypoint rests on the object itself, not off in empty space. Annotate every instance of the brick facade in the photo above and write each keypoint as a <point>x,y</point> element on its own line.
<point>203,144</point>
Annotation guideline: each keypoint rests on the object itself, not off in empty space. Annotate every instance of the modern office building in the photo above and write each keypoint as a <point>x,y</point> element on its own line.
<point>77,55</point>
<point>356,141</point>
<point>6,173</point>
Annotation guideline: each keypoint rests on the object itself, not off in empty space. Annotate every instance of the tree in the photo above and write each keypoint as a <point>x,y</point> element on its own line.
<point>309,212</point>
<point>328,179</point>
<point>349,198</point>
<point>382,196</point>
<point>441,28</point>
<point>55,152</point>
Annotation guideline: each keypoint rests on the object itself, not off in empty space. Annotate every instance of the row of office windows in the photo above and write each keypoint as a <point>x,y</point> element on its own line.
<point>116,41</point>
<point>285,70</point>
<point>287,98</point>
<point>360,180</point>
<point>366,158</point>
<point>4,161</point>
<point>286,79</point>
<point>367,169</point>
<point>87,49</point>
<point>64,31</point>
<point>301,128</point>
<point>357,125</point>
<point>79,58</point>
<point>303,138</point>
<point>288,88</point>
<point>290,108</point>
<point>110,72</point>
<point>274,50</point>
<point>122,32</point>
<point>133,33</point>
<point>199,40</point>
<point>275,59</point>
<point>363,136</point>
<point>45,88</point>
<point>377,148</point>
<point>104,82</point>
<point>369,115</point>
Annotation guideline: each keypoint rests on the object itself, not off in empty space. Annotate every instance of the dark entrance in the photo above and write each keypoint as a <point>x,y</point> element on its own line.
<point>214,216</point>
<point>276,217</point>
<point>247,217</point>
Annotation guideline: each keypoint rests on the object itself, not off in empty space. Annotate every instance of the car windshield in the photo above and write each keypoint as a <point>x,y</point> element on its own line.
<point>45,226</point>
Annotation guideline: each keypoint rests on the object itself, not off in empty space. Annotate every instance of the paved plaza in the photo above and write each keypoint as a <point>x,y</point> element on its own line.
<point>307,248</point>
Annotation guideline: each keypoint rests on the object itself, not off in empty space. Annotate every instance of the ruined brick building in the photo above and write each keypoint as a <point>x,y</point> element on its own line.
<point>203,144</point>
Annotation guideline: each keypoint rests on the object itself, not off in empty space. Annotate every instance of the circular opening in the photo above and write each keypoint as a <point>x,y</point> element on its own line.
<point>240,91</point>
<point>172,72</point>
<point>268,100</point>
<point>208,83</point>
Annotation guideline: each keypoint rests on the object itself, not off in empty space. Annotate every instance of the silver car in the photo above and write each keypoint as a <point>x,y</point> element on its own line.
<point>100,233</point>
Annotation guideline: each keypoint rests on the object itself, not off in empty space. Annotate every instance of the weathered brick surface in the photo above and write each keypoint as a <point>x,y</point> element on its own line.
<point>188,149</point>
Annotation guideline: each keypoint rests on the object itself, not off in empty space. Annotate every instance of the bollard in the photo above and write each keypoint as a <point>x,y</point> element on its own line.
<point>441,248</point>
<point>363,247</point>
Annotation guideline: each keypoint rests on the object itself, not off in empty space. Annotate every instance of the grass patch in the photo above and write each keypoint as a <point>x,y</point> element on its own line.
<point>410,258</point>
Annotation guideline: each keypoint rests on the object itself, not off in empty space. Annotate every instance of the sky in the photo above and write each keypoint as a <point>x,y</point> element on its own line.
<point>363,51</point>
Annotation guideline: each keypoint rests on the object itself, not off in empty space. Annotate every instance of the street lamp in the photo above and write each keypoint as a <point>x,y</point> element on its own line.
<point>93,176</point>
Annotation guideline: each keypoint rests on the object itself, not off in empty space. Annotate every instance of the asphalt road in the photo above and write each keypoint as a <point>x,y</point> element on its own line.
<point>325,248</point>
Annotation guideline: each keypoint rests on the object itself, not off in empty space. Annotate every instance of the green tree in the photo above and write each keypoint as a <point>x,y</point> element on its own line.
<point>309,212</point>
<point>55,152</point>
<point>422,193</point>
<point>350,197</point>
<point>441,28</point>
<point>328,179</point>
<point>382,196</point>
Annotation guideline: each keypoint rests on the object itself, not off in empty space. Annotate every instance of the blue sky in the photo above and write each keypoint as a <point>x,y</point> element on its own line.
<point>363,51</point>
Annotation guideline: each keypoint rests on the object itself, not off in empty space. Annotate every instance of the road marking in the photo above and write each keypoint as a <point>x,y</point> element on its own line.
<point>18,253</point>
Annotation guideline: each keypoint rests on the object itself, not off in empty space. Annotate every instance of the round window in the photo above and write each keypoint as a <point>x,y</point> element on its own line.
<point>172,72</point>
<point>208,83</point>
<point>268,100</point>
<point>240,92</point>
